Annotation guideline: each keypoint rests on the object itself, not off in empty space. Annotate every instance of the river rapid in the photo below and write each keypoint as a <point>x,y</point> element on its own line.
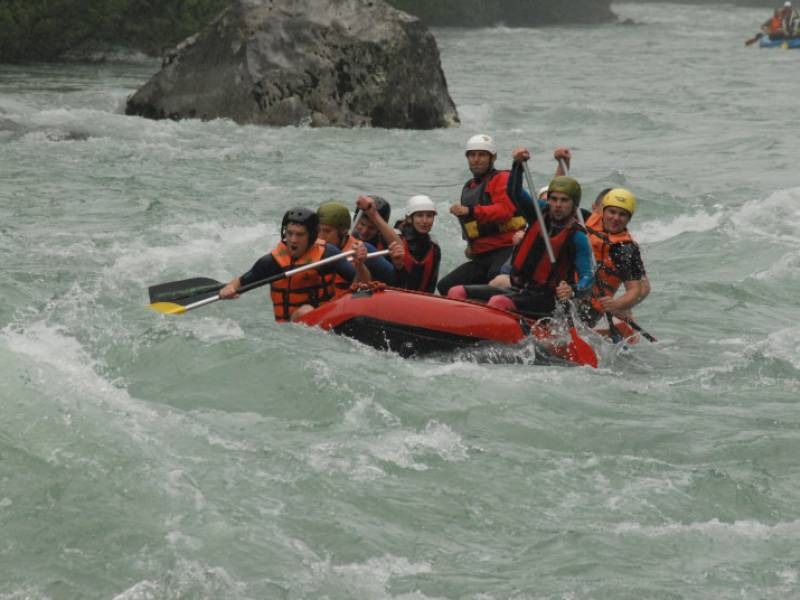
<point>219,455</point>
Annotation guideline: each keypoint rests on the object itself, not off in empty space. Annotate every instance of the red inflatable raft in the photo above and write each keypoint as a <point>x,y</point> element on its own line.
<point>414,324</point>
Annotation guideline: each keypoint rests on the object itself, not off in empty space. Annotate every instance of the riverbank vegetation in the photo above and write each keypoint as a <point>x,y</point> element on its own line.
<point>44,30</point>
<point>49,30</point>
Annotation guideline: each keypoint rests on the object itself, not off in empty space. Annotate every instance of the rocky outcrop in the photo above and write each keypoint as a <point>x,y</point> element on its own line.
<point>287,62</point>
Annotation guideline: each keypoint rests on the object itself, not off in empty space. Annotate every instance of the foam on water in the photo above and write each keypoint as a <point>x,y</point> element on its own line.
<point>218,455</point>
<point>657,230</point>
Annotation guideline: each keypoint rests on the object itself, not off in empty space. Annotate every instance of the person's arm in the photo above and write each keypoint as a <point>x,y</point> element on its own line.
<point>263,268</point>
<point>628,260</point>
<point>519,197</point>
<point>502,208</point>
<point>367,205</point>
<point>379,267</point>
<point>349,271</point>
<point>583,267</point>
<point>565,156</point>
<point>629,299</point>
<point>583,264</point>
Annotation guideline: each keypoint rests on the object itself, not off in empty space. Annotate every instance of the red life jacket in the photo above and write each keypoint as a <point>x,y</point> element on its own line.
<point>531,266</point>
<point>477,195</point>
<point>418,273</point>
<point>308,287</point>
<point>608,278</point>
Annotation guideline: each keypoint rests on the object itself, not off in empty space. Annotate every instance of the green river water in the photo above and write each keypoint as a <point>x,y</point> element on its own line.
<point>219,455</point>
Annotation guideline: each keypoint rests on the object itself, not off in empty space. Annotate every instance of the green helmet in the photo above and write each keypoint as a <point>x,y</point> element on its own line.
<point>566,185</point>
<point>334,214</point>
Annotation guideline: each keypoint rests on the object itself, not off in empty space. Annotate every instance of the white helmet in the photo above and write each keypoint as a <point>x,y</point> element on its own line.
<point>544,190</point>
<point>787,5</point>
<point>419,203</point>
<point>481,142</point>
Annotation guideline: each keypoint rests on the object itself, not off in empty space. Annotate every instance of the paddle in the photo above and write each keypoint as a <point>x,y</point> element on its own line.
<point>646,335</point>
<point>582,352</point>
<point>616,336</point>
<point>178,297</point>
<point>754,39</point>
<point>356,220</point>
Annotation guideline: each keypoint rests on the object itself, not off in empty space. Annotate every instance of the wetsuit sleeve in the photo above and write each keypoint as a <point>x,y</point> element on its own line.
<point>264,267</point>
<point>583,264</point>
<point>341,267</point>
<point>519,195</point>
<point>506,268</point>
<point>502,208</point>
<point>379,267</point>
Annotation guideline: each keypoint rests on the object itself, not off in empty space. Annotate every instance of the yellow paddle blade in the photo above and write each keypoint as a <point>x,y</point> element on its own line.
<point>168,308</point>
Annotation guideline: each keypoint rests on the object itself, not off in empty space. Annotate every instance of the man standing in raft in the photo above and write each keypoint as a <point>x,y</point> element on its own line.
<point>536,282</point>
<point>295,296</point>
<point>487,215</point>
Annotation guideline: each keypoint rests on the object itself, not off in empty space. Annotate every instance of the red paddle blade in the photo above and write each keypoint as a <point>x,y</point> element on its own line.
<point>580,351</point>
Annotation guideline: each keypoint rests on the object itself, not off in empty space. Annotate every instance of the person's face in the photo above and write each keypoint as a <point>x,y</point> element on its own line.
<point>561,206</point>
<point>366,229</point>
<point>330,234</point>
<point>480,161</point>
<point>296,239</point>
<point>615,219</point>
<point>423,221</point>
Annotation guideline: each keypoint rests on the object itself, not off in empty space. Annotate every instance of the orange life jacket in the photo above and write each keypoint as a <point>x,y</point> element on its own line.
<point>340,283</point>
<point>608,278</point>
<point>775,25</point>
<point>308,287</point>
<point>531,264</point>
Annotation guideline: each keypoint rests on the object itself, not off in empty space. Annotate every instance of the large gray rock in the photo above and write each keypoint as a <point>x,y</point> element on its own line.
<point>287,62</point>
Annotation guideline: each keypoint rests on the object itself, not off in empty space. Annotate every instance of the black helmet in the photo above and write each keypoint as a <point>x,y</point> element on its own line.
<point>302,216</point>
<point>382,206</point>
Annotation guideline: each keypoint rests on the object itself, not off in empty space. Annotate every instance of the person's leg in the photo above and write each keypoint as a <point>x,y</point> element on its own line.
<point>502,302</point>
<point>534,303</point>
<point>481,293</point>
<point>496,261</point>
<point>471,272</point>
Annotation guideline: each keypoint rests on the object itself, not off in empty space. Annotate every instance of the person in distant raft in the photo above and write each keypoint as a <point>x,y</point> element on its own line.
<point>773,26</point>
<point>334,228</point>
<point>790,19</point>
<point>619,261</point>
<point>293,297</point>
<point>487,216</point>
<point>536,282</point>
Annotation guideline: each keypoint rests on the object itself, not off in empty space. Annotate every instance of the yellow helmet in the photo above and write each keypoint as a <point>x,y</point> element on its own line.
<point>620,198</point>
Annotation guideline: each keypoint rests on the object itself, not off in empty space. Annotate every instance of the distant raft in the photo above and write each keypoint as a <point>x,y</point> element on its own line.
<point>416,324</point>
<point>785,43</point>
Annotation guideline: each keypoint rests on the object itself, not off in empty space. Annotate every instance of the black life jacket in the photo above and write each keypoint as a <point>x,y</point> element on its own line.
<point>419,274</point>
<point>475,196</point>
